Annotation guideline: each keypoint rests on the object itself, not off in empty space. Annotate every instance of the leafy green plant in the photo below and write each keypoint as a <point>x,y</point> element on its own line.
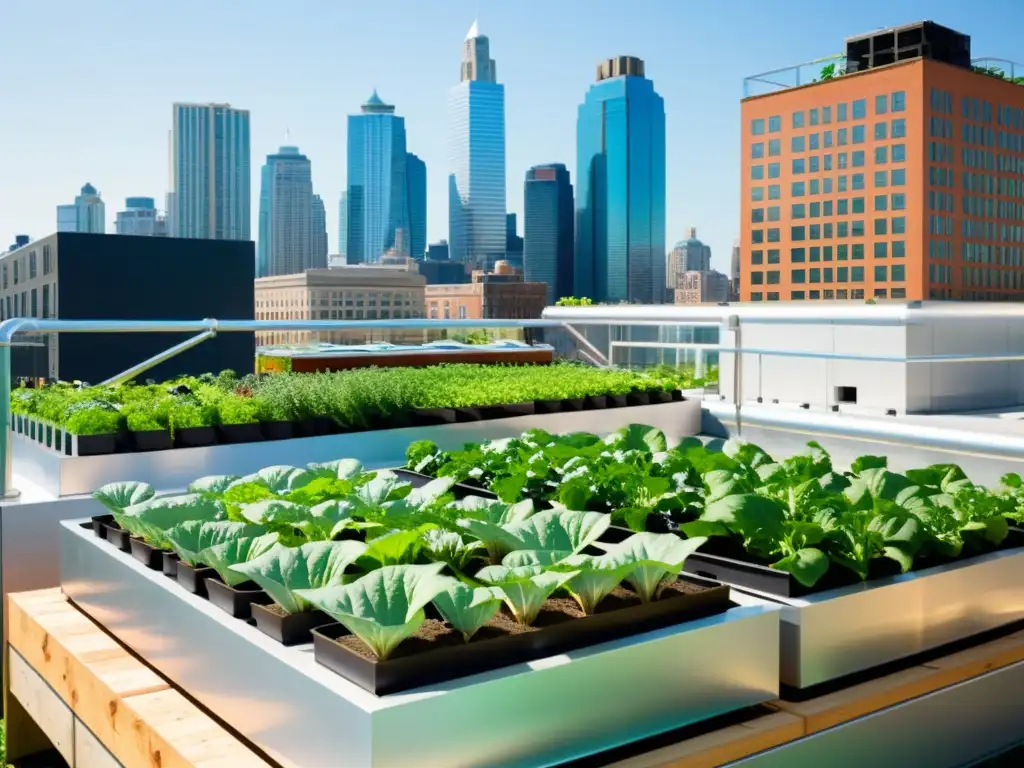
<point>467,608</point>
<point>150,520</point>
<point>117,496</point>
<point>524,588</point>
<point>283,570</point>
<point>385,606</point>
<point>192,539</point>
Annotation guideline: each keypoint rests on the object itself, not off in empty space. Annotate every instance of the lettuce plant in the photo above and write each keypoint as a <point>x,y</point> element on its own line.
<point>562,531</point>
<point>150,520</point>
<point>279,479</point>
<point>117,496</point>
<point>467,608</point>
<point>385,606</point>
<point>283,570</point>
<point>484,519</point>
<point>221,557</point>
<point>212,485</point>
<point>451,548</point>
<point>652,560</point>
<point>597,577</point>
<point>524,588</point>
<point>192,539</point>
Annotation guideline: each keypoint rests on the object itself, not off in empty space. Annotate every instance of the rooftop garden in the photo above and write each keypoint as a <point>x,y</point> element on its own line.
<point>203,410</point>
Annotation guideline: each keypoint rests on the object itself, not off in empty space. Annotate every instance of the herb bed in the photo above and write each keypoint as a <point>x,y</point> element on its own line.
<point>198,412</point>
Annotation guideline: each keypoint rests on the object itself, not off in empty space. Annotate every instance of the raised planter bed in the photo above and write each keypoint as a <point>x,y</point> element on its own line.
<point>66,474</point>
<point>440,655</point>
<point>676,675</point>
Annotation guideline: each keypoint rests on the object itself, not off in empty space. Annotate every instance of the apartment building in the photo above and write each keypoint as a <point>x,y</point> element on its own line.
<point>705,286</point>
<point>490,295</point>
<point>341,293</point>
<point>895,176</point>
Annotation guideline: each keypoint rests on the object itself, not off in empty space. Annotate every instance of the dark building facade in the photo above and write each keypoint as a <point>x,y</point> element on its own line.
<point>548,229</point>
<point>74,276</point>
<point>440,272</point>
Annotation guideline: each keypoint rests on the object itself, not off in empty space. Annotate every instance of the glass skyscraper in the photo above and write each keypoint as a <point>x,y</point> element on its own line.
<point>286,239</point>
<point>86,214</point>
<point>620,187</point>
<point>210,168</point>
<point>416,184</point>
<point>548,229</point>
<point>476,184</point>
<point>377,195</point>
<point>318,234</point>
<point>343,224</point>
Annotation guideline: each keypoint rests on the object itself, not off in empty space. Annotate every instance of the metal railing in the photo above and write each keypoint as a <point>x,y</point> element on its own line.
<point>728,319</point>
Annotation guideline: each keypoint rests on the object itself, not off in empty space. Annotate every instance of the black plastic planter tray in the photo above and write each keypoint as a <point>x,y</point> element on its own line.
<point>194,437</point>
<point>277,430</point>
<point>449,662</point>
<point>432,417</point>
<point>638,398</point>
<point>547,406</point>
<point>720,559</point>
<point>237,601</point>
<point>288,628</point>
<point>151,440</point>
<point>117,535</point>
<point>239,433</point>
<point>460,490</point>
<point>193,579</point>
<point>97,445</point>
<point>151,557</point>
<point>170,564</point>
<point>99,525</point>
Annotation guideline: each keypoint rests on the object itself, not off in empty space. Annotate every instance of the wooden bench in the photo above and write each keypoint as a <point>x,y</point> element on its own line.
<point>70,686</point>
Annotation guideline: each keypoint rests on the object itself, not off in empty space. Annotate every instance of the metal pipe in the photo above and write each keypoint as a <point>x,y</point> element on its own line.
<point>158,358</point>
<point>587,345</point>
<point>7,491</point>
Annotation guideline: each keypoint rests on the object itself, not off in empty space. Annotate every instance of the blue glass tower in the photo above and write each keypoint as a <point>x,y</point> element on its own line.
<point>620,187</point>
<point>416,185</point>
<point>548,229</point>
<point>377,195</point>
<point>476,184</point>
<point>286,244</point>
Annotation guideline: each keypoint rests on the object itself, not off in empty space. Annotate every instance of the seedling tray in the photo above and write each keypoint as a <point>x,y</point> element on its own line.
<point>288,628</point>
<point>493,649</point>
<point>553,709</point>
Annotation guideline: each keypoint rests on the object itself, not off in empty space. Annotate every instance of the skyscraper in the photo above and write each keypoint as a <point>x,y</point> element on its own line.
<point>86,214</point>
<point>286,239</point>
<point>210,167</point>
<point>140,217</point>
<point>377,194</point>
<point>416,184</point>
<point>548,229</point>
<point>620,187</point>
<point>318,233</point>
<point>343,225</point>
<point>513,242</point>
<point>689,255</point>
<point>476,184</point>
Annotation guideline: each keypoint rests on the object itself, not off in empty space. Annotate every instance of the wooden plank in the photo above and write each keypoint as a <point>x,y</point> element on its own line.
<point>127,707</point>
<point>176,735</point>
<point>723,746</point>
<point>859,700</point>
<point>44,706</point>
<point>89,753</point>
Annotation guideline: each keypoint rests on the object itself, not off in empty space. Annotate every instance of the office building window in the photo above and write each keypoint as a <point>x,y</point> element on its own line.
<point>798,119</point>
<point>757,150</point>
<point>860,109</point>
<point>881,250</point>
<point>757,126</point>
<point>774,123</point>
<point>899,128</point>
<point>881,273</point>
<point>899,101</point>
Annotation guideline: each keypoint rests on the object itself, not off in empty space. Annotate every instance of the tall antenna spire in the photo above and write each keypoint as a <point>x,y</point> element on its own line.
<point>287,136</point>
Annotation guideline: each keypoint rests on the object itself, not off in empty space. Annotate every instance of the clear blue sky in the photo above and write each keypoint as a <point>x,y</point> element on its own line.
<point>87,88</point>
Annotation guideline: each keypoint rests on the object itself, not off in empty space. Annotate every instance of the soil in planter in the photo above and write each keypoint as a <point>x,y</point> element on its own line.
<point>150,557</point>
<point>288,628</point>
<point>437,653</point>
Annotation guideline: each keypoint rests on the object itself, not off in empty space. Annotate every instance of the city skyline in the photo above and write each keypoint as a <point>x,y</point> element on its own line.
<point>123,151</point>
